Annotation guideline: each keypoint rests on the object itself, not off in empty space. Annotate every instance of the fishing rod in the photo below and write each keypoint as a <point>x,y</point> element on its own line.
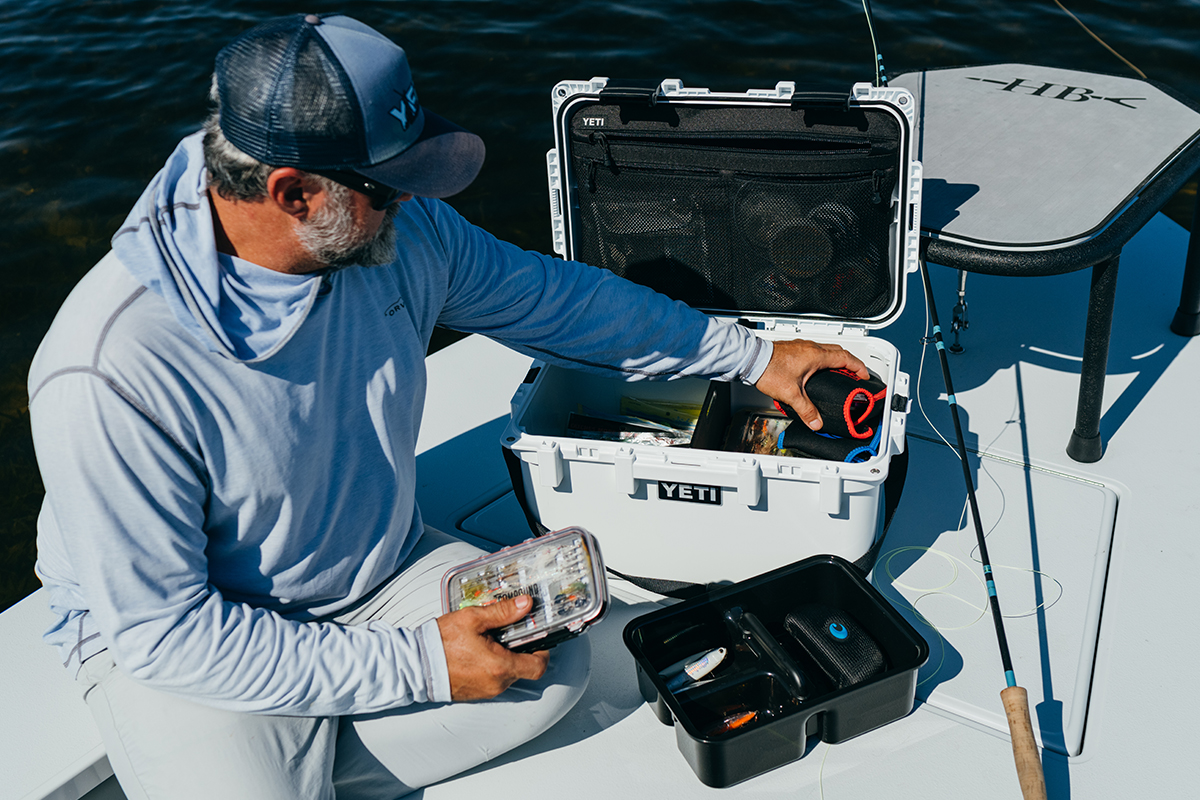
<point>1015,698</point>
<point>880,76</point>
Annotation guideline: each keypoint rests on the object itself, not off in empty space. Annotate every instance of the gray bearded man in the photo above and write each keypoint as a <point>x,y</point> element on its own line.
<point>226,410</point>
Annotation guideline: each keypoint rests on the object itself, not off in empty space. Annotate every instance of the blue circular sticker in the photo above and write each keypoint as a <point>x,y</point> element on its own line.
<point>838,631</point>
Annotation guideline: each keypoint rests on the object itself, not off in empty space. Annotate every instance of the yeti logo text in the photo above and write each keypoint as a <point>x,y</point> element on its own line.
<point>406,111</point>
<point>690,493</point>
<point>592,122</point>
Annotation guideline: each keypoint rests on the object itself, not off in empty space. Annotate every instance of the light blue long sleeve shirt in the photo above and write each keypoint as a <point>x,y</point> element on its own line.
<point>228,452</point>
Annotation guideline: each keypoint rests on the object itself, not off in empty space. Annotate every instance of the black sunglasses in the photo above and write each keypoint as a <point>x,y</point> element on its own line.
<point>380,196</point>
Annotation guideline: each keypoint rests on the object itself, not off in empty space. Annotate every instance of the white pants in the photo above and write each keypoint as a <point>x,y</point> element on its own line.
<point>163,746</point>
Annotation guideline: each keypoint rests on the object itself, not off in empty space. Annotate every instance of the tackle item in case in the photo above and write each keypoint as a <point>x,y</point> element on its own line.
<point>798,440</point>
<point>680,416</point>
<point>562,572</point>
<point>755,432</point>
<point>849,406</point>
<point>836,642</point>
<point>696,669</point>
<point>605,428</point>
<point>732,723</point>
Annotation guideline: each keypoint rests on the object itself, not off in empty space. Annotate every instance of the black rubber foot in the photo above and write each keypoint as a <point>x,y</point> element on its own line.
<point>1087,451</point>
<point>955,348</point>
<point>1185,324</point>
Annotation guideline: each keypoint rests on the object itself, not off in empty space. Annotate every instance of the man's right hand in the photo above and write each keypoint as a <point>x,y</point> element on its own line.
<point>480,667</point>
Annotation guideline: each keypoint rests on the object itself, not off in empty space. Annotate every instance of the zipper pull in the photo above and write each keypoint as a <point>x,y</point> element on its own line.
<point>591,175</point>
<point>876,186</point>
<point>602,140</point>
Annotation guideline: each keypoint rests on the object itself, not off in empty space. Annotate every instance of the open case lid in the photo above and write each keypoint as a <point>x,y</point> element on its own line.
<point>767,205</point>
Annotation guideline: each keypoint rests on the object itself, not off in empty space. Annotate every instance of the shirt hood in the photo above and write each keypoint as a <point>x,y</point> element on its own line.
<point>167,243</point>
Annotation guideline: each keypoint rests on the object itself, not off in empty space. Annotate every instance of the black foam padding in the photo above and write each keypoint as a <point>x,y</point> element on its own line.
<point>836,643</point>
<point>798,440</point>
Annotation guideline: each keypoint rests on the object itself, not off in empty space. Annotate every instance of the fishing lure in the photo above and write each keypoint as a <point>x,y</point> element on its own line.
<point>697,669</point>
<point>732,723</point>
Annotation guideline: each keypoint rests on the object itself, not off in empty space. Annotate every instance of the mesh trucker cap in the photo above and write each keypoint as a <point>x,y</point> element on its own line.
<point>331,93</point>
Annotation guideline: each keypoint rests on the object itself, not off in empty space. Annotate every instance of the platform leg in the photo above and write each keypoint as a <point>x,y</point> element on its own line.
<point>1187,316</point>
<point>1085,444</point>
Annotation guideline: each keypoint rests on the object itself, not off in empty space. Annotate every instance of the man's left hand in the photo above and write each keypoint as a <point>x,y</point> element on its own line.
<point>793,363</point>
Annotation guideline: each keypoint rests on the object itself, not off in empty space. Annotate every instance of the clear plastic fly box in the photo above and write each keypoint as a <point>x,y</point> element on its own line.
<point>797,215</point>
<point>562,572</point>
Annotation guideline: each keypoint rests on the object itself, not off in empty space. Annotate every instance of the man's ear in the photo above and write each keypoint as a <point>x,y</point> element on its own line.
<point>293,191</point>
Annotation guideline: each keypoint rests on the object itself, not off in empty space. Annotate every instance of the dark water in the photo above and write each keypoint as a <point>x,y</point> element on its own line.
<point>94,95</point>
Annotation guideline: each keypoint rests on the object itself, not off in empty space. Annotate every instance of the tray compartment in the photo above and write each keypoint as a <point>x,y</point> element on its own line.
<point>752,681</point>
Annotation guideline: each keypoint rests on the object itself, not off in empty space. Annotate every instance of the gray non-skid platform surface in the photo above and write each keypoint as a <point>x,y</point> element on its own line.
<point>1132,713</point>
<point>1020,156</point>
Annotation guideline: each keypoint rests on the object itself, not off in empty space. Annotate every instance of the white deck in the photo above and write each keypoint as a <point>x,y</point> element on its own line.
<point>1122,699</point>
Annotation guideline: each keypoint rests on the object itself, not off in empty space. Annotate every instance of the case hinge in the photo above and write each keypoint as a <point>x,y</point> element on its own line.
<point>831,327</point>
<point>625,90</point>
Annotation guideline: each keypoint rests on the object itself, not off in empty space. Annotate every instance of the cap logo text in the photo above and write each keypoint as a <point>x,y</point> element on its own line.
<point>406,110</point>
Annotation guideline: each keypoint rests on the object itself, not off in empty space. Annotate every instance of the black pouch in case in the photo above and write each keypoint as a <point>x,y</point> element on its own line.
<point>849,405</point>
<point>836,643</point>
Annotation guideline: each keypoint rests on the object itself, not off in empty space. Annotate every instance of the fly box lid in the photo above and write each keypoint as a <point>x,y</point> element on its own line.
<point>562,572</point>
<point>763,205</point>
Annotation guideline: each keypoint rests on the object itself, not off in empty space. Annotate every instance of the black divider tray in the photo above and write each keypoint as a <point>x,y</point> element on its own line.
<point>793,697</point>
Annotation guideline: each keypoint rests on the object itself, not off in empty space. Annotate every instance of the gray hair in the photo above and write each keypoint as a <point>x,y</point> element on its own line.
<point>234,174</point>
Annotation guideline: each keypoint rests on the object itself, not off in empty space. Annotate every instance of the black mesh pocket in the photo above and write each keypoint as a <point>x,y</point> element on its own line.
<point>660,229</point>
<point>728,239</point>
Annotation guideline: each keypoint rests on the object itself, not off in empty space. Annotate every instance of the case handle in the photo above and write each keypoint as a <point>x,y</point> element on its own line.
<point>625,90</point>
<point>806,99</point>
<point>899,412</point>
<point>745,477</point>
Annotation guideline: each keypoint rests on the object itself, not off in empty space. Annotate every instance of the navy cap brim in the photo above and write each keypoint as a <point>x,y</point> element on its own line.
<point>441,162</point>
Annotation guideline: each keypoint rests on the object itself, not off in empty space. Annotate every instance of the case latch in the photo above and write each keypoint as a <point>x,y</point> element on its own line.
<point>623,470</point>
<point>625,90</point>
<point>550,463</point>
<point>749,481</point>
<point>829,493</point>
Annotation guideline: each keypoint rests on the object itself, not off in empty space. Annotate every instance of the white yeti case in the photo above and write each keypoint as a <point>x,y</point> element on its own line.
<point>657,180</point>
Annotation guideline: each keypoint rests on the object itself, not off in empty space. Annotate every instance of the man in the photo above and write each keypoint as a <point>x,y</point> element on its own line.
<point>226,410</point>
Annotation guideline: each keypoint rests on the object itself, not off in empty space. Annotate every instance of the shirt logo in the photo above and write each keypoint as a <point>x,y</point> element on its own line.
<point>406,110</point>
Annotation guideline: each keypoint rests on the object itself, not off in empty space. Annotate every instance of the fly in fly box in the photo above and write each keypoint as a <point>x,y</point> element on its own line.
<point>562,573</point>
<point>795,215</point>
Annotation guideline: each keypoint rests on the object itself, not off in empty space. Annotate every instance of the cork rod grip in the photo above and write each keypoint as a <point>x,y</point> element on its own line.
<point>1025,750</point>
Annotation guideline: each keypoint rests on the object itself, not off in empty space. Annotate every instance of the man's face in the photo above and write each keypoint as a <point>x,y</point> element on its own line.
<point>346,231</point>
